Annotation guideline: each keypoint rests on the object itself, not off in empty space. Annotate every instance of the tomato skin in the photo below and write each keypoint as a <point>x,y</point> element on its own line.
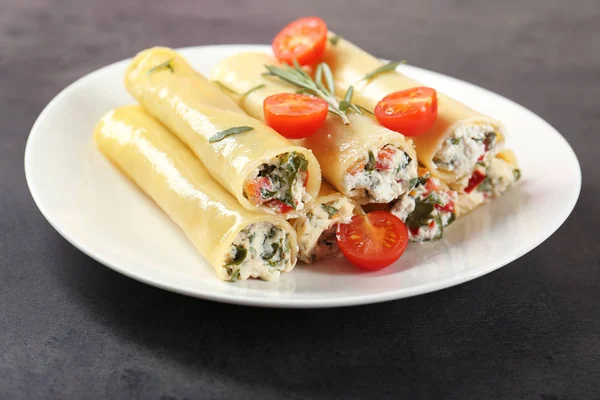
<point>280,206</point>
<point>449,207</point>
<point>302,40</point>
<point>295,115</point>
<point>373,241</point>
<point>384,159</point>
<point>254,187</point>
<point>411,112</point>
<point>474,181</point>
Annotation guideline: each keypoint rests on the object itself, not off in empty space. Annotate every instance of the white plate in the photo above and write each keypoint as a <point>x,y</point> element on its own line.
<point>104,215</point>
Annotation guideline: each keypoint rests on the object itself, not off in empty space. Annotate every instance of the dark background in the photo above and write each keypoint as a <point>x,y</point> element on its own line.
<point>71,328</point>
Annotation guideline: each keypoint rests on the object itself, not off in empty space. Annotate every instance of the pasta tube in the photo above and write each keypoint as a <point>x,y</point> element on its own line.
<point>263,170</point>
<point>237,243</point>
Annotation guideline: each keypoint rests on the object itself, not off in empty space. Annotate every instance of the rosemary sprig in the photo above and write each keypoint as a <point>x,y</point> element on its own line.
<point>297,76</point>
<point>334,39</point>
<point>257,87</point>
<point>364,109</point>
<point>228,132</point>
<point>225,87</point>
<point>391,66</point>
<point>163,65</point>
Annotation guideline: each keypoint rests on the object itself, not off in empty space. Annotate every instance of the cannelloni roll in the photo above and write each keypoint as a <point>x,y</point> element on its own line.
<point>461,136</point>
<point>362,160</point>
<point>263,170</point>
<point>316,227</point>
<point>237,243</point>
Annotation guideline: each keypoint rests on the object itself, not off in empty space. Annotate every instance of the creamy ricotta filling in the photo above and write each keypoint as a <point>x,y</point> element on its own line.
<point>316,229</point>
<point>427,209</point>
<point>260,250</point>
<point>468,144</point>
<point>502,175</point>
<point>279,186</point>
<point>383,175</point>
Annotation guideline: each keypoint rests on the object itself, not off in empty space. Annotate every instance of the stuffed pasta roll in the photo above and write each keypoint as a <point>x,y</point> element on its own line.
<point>362,160</point>
<point>263,170</point>
<point>316,227</point>
<point>239,244</point>
<point>460,138</point>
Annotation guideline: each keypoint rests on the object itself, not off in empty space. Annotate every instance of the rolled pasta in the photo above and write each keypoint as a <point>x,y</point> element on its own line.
<point>237,243</point>
<point>427,209</point>
<point>316,227</point>
<point>263,170</point>
<point>363,160</point>
<point>460,136</point>
<point>489,180</point>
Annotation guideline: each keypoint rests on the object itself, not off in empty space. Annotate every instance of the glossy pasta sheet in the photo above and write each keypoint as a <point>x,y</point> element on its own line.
<point>350,64</point>
<point>337,147</point>
<point>167,171</point>
<point>195,110</point>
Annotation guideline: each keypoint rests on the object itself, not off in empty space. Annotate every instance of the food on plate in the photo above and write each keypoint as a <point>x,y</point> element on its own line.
<point>316,227</point>
<point>295,115</point>
<point>360,158</point>
<point>459,137</point>
<point>489,180</point>
<point>302,40</point>
<point>239,244</point>
<point>263,170</point>
<point>411,112</point>
<point>427,208</point>
<point>461,141</point>
<point>373,241</point>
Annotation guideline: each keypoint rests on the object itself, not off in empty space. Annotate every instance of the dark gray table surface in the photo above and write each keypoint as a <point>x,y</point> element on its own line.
<point>71,328</point>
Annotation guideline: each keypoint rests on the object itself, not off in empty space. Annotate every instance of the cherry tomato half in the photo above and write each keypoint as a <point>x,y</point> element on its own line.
<point>475,180</point>
<point>294,115</point>
<point>373,241</point>
<point>411,112</point>
<point>303,40</point>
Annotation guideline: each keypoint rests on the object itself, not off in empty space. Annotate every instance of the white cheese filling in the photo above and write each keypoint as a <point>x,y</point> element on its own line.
<point>285,183</point>
<point>502,176</point>
<point>380,180</point>
<point>260,250</point>
<point>431,225</point>
<point>317,227</point>
<point>461,151</point>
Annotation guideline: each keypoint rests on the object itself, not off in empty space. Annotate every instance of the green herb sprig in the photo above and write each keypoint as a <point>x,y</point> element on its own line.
<point>228,132</point>
<point>334,39</point>
<point>390,66</point>
<point>325,90</point>
<point>330,210</point>
<point>257,87</point>
<point>163,65</point>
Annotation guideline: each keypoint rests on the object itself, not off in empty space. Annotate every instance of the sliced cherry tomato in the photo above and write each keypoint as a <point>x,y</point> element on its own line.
<point>449,207</point>
<point>280,206</point>
<point>475,180</point>
<point>411,112</point>
<point>431,185</point>
<point>302,40</point>
<point>384,158</point>
<point>255,187</point>
<point>294,115</point>
<point>373,241</point>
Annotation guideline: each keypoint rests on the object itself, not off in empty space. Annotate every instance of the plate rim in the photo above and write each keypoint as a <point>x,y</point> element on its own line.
<point>291,301</point>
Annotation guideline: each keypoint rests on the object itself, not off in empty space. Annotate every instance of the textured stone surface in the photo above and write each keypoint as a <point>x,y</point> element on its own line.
<point>71,328</point>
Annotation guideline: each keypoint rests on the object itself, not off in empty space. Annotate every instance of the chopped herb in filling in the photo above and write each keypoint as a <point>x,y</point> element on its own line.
<point>426,209</point>
<point>317,227</point>
<point>280,185</point>
<point>467,146</point>
<point>382,176</point>
<point>260,250</point>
